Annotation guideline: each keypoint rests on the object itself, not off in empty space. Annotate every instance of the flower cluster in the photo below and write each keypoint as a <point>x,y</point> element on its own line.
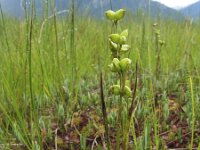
<point>118,46</point>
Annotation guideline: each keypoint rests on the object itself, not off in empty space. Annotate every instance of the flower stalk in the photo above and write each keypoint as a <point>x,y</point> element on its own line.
<point>121,66</point>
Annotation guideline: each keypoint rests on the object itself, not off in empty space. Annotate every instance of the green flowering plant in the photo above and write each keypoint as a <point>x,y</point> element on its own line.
<point>121,66</point>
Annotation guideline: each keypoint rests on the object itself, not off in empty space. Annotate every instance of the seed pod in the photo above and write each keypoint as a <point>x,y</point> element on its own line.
<point>115,38</point>
<point>120,14</point>
<point>115,89</point>
<point>125,64</point>
<point>111,15</point>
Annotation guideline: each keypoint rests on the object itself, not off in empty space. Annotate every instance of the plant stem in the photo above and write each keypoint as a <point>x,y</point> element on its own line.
<point>5,32</point>
<point>32,107</point>
<point>57,49</point>
<point>73,51</point>
<point>193,112</point>
<point>157,57</point>
<point>111,4</point>
<point>130,112</point>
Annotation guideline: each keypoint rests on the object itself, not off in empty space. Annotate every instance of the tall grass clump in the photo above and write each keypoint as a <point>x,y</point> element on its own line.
<point>49,80</point>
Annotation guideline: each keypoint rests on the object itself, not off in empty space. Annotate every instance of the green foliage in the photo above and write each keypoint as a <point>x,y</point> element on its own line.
<point>51,85</point>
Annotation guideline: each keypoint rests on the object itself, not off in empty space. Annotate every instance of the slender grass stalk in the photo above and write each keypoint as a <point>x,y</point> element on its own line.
<point>72,49</point>
<point>57,48</point>
<point>103,108</point>
<point>155,124</point>
<point>193,111</point>
<point>6,37</point>
<point>157,56</point>
<point>26,15</point>
<point>20,88</point>
<point>134,133</point>
<point>20,122</point>
<point>5,31</point>
<point>32,105</point>
<point>143,39</point>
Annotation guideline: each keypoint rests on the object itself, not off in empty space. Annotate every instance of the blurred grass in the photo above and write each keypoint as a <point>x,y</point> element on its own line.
<point>51,69</point>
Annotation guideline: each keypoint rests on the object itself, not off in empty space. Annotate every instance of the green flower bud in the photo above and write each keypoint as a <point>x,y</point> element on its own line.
<point>125,64</point>
<point>113,46</point>
<point>112,68</point>
<point>127,91</point>
<point>114,38</point>
<point>111,15</point>
<point>155,24</point>
<point>125,48</point>
<point>124,33</point>
<point>122,40</point>
<point>115,16</point>
<point>127,83</point>
<point>120,14</point>
<point>115,89</point>
<point>116,63</point>
<point>162,42</point>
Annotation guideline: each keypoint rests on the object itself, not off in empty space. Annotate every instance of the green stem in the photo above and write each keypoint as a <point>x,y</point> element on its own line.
<point>119,121</point>
<point>73,50</point>
<point>122,77</point>
<point>114,25</point>
<point>103,107</point>
<point>193,112</point>
<point>157,57</point>
<point>111,4</point>
<point>57,49</point>
<point>130,112</point>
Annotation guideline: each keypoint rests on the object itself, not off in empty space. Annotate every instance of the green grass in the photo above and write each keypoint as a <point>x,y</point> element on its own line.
<point>36,87</point>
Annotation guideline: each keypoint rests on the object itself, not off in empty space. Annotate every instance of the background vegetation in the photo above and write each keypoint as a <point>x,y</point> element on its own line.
<point>49,82</point>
